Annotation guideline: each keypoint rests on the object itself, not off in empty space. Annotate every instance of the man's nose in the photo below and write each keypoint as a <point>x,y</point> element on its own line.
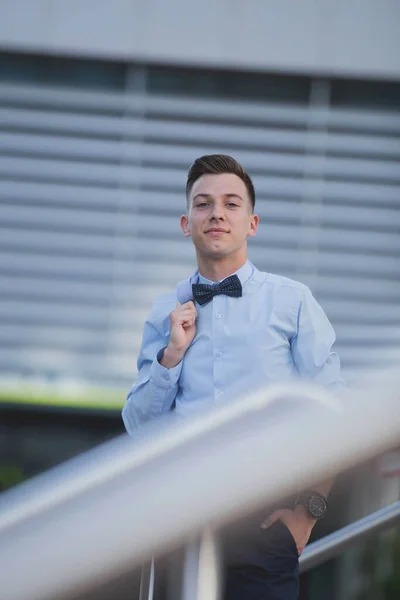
<point>217,212</point>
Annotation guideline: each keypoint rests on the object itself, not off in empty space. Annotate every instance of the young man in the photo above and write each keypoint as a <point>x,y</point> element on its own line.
<point>226,330</point>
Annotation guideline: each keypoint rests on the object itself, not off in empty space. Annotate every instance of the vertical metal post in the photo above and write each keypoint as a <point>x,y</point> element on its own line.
<point>313,183</point>
<point>202,569</point>
<point>147,581</point>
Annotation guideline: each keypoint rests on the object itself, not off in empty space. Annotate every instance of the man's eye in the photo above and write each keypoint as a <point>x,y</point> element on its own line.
<point>232,204</point>
<point>201,204</point>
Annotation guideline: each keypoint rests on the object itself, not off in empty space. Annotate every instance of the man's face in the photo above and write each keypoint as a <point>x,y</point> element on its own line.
<point>219,218</point>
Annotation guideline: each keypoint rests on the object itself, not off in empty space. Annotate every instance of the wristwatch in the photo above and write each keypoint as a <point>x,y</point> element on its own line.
<point>315,503</point>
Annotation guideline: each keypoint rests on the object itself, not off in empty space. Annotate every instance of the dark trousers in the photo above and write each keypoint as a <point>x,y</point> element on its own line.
<point>261,564</point>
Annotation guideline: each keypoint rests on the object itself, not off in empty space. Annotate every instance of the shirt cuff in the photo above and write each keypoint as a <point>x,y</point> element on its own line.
<point>162,377</point>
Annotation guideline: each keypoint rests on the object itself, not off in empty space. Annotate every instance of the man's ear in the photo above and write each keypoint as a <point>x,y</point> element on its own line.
<point>185,225</point>
<point>253,225</point>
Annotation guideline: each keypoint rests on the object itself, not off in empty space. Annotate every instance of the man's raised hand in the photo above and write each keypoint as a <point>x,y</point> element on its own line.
<point>182,332</point>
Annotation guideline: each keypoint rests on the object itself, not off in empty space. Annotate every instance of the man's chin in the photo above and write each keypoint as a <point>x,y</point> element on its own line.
<point>216,253</point>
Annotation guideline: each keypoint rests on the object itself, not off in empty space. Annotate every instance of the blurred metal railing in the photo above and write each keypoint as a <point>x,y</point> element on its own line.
<point>105,513</point>
<point>335,543</point>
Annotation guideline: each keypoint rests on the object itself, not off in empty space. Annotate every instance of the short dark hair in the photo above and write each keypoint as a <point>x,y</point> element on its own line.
<point>216,164</point>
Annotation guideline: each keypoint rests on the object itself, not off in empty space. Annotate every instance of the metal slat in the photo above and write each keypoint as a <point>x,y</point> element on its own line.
<point>373,358</point>
<point>46,96</point>
<point>354,311</point>
<point>333,285</point>
<point>57,266</point>
<point>59,241</point>
<point>346,193</point>
<point>72,340</point>
<point>43,311</point>
<point>88,291</point>
<point>93,221</point>
<point>67,122</point>
<point>357,335</point>
<point>271,233</point>
<point>69,290</point>
<point>60,312</point>
<point>360,217</point>
<point>365,265</point>
<point>55,359</point>
<point>94,197</point>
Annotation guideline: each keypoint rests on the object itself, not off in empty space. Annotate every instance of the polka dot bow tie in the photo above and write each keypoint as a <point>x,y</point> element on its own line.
<point>204,293</point>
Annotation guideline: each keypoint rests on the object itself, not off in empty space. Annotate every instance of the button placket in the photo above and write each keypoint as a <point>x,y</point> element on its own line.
<point>218,305</point>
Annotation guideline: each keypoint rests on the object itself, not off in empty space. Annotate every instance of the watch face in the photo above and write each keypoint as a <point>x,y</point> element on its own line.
<point>317,506</point>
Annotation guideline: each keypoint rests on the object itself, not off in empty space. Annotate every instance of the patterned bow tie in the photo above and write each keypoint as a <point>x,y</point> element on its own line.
<point>204,293</point>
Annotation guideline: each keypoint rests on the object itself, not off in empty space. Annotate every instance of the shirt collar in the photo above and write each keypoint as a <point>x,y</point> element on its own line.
<point>244,274</point>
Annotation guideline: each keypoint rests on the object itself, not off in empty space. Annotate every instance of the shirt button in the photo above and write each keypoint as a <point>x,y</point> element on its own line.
<point>218,315</point>
<point>218,354</point>
<point>328,360</point>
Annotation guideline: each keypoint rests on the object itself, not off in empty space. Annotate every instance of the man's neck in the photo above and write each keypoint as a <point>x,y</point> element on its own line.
<point>217,270</point>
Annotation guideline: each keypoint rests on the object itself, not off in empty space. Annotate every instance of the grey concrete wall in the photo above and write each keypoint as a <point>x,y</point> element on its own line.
<point>349,37</point>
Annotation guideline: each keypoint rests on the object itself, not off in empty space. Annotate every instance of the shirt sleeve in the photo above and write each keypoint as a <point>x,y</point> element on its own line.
<point>155,388</point>
<point>312,345</point>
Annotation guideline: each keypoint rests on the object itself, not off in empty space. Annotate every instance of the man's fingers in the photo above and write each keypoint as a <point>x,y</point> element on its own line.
<point>189,304</point>
<point>187,310</point>
<point>183,311</point>
<point>188,320</point>
<point>270,520</point>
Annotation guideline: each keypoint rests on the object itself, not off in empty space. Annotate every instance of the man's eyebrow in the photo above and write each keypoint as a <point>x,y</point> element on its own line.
<point>233,196</point>
<point>208,196</point>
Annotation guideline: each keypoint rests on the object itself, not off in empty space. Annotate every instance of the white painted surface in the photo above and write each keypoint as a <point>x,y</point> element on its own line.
<point>353,37</point>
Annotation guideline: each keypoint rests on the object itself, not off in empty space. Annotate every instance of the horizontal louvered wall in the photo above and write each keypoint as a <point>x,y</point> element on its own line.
<point>92,186</point>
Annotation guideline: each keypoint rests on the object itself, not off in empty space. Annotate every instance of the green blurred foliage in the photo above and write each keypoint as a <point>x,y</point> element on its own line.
<point>10,475</point>
<point>380,567</point>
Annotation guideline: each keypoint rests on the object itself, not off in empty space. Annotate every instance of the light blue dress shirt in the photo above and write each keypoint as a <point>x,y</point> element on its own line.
<point>275,332</point>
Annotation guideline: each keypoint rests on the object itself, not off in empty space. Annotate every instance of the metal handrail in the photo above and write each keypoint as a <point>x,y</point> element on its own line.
<point>104,513</point>
<point>147,581</point>
<point>335,543</point>
<point>202,568</point>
